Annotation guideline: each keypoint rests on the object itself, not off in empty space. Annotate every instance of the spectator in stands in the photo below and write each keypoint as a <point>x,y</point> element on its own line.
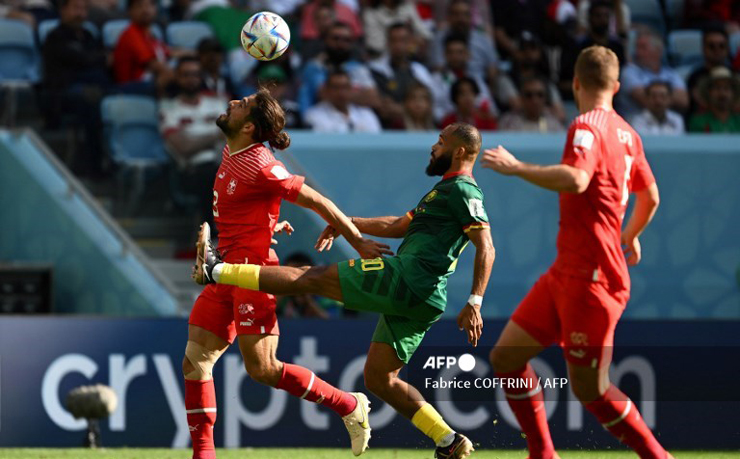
<point>512,17</point>
<point>274,78</point>
<point>381,14</point>
<point>648,67</point>
<point>337,113</point>
<point>721,91</point>
<point>529,62</point>
<point>32,12</point>
<point>417,110</point>
<point>394,73</point>
<point>702,13</point>
<point>342,12</point>
<point>11,10</point>
<point>323,18</point>
<point>533,116</point>
<point>464,93</point>
<point>480,13</point>
<point>313,306</point>
<point>457,56</point>
<point>215,78</point>
<point>226,18</point>
<point>188,125</point>
<point>657,118</point>
<point>619,21</point>
<point>139,56</point>
<point>337,54</point>
<point>75,78</point>
<point>716,52</point>
<point>483,62</point>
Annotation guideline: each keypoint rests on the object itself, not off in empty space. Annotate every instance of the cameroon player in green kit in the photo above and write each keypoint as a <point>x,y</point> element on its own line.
<point>409,290</point>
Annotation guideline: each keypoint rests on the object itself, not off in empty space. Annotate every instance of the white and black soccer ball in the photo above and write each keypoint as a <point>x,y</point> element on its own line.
<point>265,36</point>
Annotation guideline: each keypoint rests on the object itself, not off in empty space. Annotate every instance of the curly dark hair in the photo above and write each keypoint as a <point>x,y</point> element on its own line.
<point>268,118</point>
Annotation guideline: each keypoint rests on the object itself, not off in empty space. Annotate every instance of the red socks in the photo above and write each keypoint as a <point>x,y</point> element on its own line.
<point>616,412</point>
<point>200,406</point>
<point>529,407</point>
<point>303,383</point>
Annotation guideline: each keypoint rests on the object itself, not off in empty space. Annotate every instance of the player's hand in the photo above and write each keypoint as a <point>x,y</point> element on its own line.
<point>369,249</point>
<point>284,226</point>
<point>632,250</point>
<point>471,321</point>
<point>500,160</point>
<point>326,238</point>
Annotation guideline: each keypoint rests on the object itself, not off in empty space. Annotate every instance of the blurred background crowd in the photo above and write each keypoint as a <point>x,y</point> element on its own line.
<point>372,65</point>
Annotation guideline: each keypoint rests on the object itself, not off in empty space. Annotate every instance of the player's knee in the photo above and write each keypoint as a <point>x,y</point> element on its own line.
<point>503,360</point>
<point>585,389</point>
<point>199,361</point>
<point>313,279</point>
<point>376,383</point>
<point>264,372</point>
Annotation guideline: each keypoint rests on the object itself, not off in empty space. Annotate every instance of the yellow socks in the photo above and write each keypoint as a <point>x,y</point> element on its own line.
<point>429,421</point>
<point>244,276</point>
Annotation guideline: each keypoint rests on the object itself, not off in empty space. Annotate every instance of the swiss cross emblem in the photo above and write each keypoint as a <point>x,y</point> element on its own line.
<point>232,187</point>
<point>246,308</point>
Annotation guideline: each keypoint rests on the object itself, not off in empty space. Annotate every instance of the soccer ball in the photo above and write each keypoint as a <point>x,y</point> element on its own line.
<point>265,36</point>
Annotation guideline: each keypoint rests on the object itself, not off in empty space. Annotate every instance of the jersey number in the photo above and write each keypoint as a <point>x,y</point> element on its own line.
<point>628,160</point>
<point>374,264</point>
<point>215,202</point>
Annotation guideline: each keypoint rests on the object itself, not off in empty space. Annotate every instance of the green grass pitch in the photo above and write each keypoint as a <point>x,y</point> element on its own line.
<point>301,453</point>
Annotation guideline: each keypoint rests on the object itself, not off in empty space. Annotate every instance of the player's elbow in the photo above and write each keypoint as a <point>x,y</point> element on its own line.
<point>578,182</point>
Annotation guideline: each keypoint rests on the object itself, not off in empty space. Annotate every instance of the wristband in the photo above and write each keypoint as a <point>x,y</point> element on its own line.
<point>475,300</point>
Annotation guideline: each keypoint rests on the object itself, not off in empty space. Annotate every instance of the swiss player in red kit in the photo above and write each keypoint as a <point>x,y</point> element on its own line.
<point>248,190</point>
<point>579,300</point>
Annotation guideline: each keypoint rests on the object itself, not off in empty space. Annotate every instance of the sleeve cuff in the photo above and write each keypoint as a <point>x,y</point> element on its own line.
<point>475,226</point>
<point>296,183</point>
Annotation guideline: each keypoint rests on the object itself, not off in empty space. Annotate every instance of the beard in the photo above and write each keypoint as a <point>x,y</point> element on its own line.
<point>440,165</point>
<point>223,123</point>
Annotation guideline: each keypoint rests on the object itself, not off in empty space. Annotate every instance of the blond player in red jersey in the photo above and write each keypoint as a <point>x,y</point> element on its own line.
<point>579,300</point>
<point>248,189</point>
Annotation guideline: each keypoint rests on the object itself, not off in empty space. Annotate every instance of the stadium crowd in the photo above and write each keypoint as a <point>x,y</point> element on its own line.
<point>372,65</point>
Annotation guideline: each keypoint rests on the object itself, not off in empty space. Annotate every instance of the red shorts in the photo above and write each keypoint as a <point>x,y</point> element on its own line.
<point>228,311</point>
<point>578,314</point>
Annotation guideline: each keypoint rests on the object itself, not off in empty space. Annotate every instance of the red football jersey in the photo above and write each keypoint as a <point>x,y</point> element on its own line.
<point>601,143</point>
<point>248,190</point>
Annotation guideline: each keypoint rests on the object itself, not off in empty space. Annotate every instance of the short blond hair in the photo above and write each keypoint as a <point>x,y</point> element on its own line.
<point>597,68</point>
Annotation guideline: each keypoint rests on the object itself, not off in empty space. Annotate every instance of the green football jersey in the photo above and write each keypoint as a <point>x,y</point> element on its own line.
<point>437,235</point>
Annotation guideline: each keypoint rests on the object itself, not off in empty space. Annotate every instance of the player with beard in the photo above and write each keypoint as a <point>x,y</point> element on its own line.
<point>408,290</point>
<point>248,189</point>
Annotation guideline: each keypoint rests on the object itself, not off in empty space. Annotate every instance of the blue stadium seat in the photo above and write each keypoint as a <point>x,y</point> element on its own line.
<point>734,43</point>
<point>187,34</point>
<point>647,12</point>
<point>134,142</point>
<point>48,25</point>
<point>685,47</point>
<point>18,55</point>
<point>113,29</point>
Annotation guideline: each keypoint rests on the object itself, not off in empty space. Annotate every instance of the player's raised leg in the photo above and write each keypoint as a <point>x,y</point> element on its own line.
<point>263,366</point>
<point>381,378</point>
<point>201,353</point>
<point>510,359</point>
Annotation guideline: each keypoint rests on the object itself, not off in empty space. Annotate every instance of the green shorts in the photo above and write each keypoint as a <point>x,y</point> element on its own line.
<point>377,286</point>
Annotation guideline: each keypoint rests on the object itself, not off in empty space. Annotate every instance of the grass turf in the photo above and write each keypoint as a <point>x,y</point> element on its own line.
<point>318,453</point>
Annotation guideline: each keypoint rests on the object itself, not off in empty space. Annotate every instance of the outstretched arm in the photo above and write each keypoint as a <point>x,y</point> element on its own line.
<point>646,203</point>
<point>392,227</point>
<point>367,248</point>
<point>557,177</point>
<point>470,318</point>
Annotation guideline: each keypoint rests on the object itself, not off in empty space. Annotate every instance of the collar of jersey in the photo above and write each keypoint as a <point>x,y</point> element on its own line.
<point>243,149</point>
<point>455,174</point>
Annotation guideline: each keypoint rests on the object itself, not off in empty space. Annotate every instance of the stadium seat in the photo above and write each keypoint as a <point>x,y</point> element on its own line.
<point>647,12</point>
<point>48,25</point>
<point>113,29</point>
<point>18,64</point>
<point>134,142</point>
<point>734,43</point>
<point>684,47</point>
<point>187,34</point>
